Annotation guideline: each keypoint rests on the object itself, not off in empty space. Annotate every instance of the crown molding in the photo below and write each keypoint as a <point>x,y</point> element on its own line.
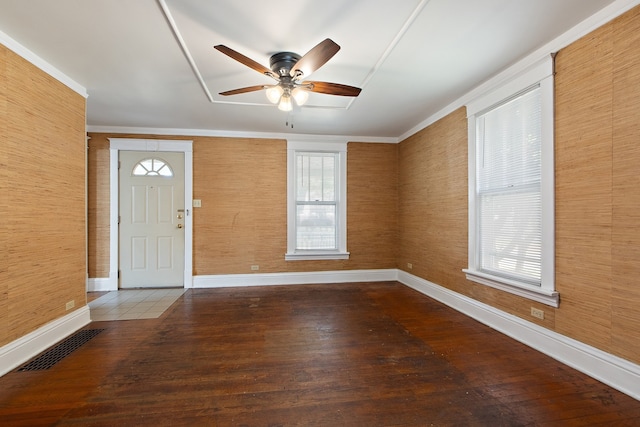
<point>237,134</point>
<point>34,59</point>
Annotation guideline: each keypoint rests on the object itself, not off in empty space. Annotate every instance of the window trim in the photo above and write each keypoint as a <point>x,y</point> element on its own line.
<point>339,148</point>
<point>540,73</point>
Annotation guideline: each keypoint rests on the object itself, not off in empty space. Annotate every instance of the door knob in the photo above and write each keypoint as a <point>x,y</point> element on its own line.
<point>179,225</point>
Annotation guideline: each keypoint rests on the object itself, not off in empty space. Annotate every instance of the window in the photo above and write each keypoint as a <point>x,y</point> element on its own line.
<point>316,201</point>
<point>152,167</point>
<point>511,226</point>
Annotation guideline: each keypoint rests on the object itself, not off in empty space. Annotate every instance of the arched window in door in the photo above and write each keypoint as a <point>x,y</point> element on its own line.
<point>152,167</point>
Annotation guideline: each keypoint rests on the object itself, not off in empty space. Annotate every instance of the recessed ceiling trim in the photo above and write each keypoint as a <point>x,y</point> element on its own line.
<point>403,30</point>
<point>192,63</point>
<point>185,50</point>
<point>183,46</point>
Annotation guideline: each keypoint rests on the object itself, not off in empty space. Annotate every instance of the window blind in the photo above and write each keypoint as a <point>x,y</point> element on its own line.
<point>509,220</point>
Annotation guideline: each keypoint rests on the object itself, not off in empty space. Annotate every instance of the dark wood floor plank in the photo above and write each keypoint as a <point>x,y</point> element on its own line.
<point>370,354</point>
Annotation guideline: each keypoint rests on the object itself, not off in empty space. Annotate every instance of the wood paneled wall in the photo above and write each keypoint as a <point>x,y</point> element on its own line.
<point>42,182</point>
<point>372,205</point>
<point>433,201</point>
<point>243,219</point>
<point>98,194</point>
<point>597,196</point>
<point>242,222</point>
<point>4,199</point>
<point>625,239</point>
<point>598,187</point>
<point>584,107</point>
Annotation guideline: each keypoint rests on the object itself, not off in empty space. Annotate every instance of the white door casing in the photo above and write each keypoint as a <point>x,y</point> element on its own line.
<point>151,219</point>
<point>153,147</point>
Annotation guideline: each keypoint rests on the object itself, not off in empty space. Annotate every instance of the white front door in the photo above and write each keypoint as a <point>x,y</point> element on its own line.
<point>152,218</point>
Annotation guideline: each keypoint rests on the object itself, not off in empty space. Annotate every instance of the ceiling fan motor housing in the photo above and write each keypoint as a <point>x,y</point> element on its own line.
<point>282,62</point>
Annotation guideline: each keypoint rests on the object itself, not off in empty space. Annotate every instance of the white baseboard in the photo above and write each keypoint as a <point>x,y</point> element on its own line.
<point>605,367</point>
<point>21,350</point>
<point>101,284</point>
<point>302,278</point>
<point>269,279</point>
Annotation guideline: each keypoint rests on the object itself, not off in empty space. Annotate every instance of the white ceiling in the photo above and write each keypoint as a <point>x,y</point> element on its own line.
<point>412,58</point>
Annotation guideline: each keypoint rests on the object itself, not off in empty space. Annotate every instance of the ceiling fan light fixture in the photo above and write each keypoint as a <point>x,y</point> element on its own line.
<point>274,93</point>
<point>288,69</point>
<point>285,103</point>
<point>300,95</point>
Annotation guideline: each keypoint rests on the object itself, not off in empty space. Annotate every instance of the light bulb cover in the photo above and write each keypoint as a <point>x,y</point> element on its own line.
<point>285,103</point>
<point>300,95</point>
<point>274,93</point>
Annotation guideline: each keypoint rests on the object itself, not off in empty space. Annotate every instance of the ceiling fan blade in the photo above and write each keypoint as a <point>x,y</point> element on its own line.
<point>244,90</point>
<point>332,88</point>
<point>245,60</point>
<point>315,58</point>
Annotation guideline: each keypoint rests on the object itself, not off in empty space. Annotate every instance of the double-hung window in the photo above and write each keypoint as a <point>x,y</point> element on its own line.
<point>316,202</point>
<point>511,203</point>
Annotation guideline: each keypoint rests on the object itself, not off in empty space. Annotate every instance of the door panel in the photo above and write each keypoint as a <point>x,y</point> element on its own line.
<point>151,220</point>
<point>139,253</point>
<point>139,200</point>
<point>165,205</point>
<point>165,251</point>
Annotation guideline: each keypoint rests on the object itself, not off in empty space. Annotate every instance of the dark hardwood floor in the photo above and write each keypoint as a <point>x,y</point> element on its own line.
<point>373,354</point>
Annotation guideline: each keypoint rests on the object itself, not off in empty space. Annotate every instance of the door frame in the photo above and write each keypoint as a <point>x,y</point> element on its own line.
<point>151,145</point>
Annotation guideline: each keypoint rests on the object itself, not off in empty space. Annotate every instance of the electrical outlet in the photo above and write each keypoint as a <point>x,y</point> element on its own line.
<point>255,267</point>
<point>536,312</point>
<point>409,265</point>
<point>70,304</point>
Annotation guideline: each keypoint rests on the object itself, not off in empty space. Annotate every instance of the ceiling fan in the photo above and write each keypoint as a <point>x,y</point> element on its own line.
<point>288,69</point>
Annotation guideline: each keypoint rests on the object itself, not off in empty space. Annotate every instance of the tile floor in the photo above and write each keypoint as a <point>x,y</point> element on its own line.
<point>130,304</point>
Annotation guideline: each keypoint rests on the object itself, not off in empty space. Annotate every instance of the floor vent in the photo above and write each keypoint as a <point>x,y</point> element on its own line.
<point>60,351</point>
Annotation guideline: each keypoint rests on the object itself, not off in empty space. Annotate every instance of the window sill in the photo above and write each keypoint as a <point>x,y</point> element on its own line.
<point>543,296</point>
<point>315,256</point>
